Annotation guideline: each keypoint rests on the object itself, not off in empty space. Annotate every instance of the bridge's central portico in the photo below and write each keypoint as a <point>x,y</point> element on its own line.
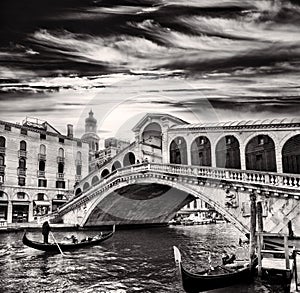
<point>171,162</point>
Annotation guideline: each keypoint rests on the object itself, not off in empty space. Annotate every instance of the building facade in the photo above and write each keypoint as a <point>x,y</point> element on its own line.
<point>38,168</point>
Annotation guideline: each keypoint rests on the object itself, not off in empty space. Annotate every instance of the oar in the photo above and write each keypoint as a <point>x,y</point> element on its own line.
<point>57,244</point>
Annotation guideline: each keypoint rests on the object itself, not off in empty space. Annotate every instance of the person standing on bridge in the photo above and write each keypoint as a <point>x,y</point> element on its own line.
<point>45,231</point>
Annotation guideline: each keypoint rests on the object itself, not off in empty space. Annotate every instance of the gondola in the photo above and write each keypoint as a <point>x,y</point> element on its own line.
<point>55,247</point>
<point>205,280</point>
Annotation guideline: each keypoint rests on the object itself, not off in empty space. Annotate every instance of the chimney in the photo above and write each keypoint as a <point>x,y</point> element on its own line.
<point>70,130</point>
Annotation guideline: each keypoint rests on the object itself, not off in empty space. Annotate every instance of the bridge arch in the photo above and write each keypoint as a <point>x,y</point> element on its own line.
<point>201,151</point>
<point>95,180</point>
<point>78,191</point>
<point>86,186</point>
<point>129,159</point>
<point>291,155</point>
<point>178,185</point>
<point>104,173</point>
<point>152,135</point>
<point>260,153</point>
<point>116,165</point>
<point>178,151</point>
<point>228,152</point>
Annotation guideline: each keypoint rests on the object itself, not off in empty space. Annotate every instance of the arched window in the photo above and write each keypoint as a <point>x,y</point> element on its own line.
<point>22,164</point>
<point>86,186</point>
<point>42,149</point>
<point>2,141</point>
<point>260,154</point>
<point>23,145</point>
<point>228,153</point>
<point>78,191</point>
<point>104,173</point>
<point>291,155</point>
<point>201,151</point>
<point>61,153</point>
<point>116,165</point>
<point>2,160</point>
<point>129,159</point>
<point>178,151</point>
<point>78,156</point>
<point>95,180</point>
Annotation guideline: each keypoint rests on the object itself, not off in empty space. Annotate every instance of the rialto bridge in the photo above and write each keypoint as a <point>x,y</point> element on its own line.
<point>172,162</point>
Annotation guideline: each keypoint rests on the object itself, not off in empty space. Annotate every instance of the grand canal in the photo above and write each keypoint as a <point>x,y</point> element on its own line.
<point>138,260</point>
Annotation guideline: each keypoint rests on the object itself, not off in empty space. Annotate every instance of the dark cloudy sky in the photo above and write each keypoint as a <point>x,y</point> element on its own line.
<point>208,60</point>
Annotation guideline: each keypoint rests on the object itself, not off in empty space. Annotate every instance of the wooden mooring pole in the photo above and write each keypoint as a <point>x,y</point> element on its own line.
<point>252,228</point>
<point>260,228</point>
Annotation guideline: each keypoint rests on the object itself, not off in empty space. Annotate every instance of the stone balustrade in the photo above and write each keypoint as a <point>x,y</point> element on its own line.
<point>188,174</point>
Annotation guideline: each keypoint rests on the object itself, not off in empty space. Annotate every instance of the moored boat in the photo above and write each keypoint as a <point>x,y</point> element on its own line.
<point>208,280</point>
<point>56,247</point>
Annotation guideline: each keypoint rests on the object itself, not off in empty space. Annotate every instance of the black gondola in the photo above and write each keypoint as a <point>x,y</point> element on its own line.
<point>205,281</point>
<point>55,247</point>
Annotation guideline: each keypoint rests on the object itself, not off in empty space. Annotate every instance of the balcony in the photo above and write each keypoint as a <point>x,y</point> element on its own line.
<point>41,174</point>
<point>60,160</point>
<point>41,157</point>
<point>22,154</point>
<point>2,150</point>
<point>77,178</point>
<point>60,176</point>
<point>2,168</point>
<point>78,162</point>
<point>21,172</point>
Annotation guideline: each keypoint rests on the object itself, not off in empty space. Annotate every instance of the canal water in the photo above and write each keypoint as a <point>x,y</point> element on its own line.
<point>137,260</point>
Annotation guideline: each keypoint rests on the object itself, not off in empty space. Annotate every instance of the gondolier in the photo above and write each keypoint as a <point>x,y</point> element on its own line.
<point>45,231</point>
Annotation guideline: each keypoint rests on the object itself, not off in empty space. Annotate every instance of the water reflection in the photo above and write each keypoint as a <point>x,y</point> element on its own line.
<point>138,260</point>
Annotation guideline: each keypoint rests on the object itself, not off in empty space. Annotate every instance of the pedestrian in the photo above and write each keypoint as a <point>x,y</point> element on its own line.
<point>45,231</point>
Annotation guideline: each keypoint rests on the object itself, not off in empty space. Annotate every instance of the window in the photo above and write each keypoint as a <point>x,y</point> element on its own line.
<point>60,196</point>
<point>1,160</point>
<point>60,184</point>
<point>2,141</point>
<point>20,195</point>
<point>78,156</point>
<point>61,153</point>
<point>7,127</point>
<point>78,170</point>
<point>23,145</point>
<point>42,165</point>
<point>42,183</point>
<point>42,136</point>
<point>42,149</point>
<point>22,164</point>
<point>40,196</point>
<point>61,140</point>
<point>23,131</point>
<point>60,168</point>
<point>79,144</point>
<point>21,181</point>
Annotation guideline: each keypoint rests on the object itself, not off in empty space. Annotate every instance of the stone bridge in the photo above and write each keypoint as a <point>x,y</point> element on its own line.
<point>153,193</point>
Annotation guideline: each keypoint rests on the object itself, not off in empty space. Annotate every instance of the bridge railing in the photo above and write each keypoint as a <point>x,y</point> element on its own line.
<point>290,181</point>
<point>251,176</point>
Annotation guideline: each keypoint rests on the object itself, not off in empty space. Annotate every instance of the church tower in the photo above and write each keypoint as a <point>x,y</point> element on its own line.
<point>90,134</point>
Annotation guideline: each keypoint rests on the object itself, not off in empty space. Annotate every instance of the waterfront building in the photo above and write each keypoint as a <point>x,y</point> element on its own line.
<point>39,167</point>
